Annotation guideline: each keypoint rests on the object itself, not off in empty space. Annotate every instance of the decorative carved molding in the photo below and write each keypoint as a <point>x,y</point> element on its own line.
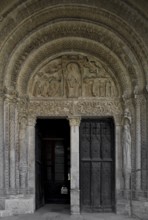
<point>23,106</point>
<point>10,94</point>
<point>114,46</point>
<point>75,107</point>
<point>105,37</point>
<point>98,108</point>
<point>73,76</point>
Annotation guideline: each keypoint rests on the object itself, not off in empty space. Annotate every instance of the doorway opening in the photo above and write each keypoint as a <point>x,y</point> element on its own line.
<point>97,165</point>
<point>52,162</point>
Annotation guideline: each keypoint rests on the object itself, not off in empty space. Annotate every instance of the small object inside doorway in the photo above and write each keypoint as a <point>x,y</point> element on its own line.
<point>64,190</point>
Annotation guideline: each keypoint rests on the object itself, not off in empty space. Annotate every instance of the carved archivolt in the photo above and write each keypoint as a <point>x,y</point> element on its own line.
<point>73,76</point>
<point>31,40</point>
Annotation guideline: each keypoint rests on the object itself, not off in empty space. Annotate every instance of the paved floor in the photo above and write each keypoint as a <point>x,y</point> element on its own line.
<point>58,212</point>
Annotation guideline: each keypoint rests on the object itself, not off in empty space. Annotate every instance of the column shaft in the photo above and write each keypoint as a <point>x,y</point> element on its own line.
<point>119,160</point>
<point>138,145</point>
<point>23,153</point>
<point>75,188</point>
<point>6,145</point>
<point>31,155</point>
<point>12,147</point>
<point>1,144</point>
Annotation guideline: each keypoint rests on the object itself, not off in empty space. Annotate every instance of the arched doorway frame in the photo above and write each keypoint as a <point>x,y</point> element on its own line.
<point>11,100</point>
<point>74,121</point>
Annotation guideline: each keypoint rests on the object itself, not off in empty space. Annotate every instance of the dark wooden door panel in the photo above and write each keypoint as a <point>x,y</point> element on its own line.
<point>106,179</point>
<point>85,181</point>
<point>96,184</point>
<point>97,165</point>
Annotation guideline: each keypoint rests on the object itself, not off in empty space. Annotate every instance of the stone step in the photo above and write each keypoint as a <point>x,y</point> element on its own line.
<point>5,213</point>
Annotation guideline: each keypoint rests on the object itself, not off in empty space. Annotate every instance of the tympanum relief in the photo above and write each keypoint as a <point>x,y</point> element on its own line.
<point>73,76</point>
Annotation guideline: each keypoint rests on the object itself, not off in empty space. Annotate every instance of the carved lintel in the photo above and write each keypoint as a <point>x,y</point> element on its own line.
<point>75,107</point>
<point>74,121</point>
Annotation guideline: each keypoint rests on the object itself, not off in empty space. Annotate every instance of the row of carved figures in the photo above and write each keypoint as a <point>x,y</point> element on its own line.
<point>72,85</point>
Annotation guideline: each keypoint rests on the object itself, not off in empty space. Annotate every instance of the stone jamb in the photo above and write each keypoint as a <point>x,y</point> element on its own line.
<point>1,143</point>
<point>138,141</point>
<point>118,156</point>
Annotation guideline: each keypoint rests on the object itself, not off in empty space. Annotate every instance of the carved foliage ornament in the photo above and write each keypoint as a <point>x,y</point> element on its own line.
<point>73,76</point>
<point>73,107</point>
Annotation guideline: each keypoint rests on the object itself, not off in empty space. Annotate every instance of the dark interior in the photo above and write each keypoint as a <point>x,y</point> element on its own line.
<point>52,162</point>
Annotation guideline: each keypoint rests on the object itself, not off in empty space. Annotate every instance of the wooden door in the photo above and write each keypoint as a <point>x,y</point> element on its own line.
<point>56,167</point>
<point>97,165</point>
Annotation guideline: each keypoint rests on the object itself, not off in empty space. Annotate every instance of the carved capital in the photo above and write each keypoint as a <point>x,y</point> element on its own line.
<point>31,121</point>
<point>74,121</point>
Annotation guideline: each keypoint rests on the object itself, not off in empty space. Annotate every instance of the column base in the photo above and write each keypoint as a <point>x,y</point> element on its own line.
<point>75,201</point>
<point>16,205</point>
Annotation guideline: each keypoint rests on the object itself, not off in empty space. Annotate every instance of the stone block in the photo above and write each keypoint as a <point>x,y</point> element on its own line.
<point>75,201</point>
<point>4,213</point>
<point>140,209</point>
<point>20,205</point>
<point>2,204</point>
<point>123,207</point>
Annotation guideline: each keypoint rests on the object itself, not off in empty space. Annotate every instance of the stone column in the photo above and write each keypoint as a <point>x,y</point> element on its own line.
<point>9,143</point>
<point>74,183</point>
<point>119,155</point>
<point>138,143</point>
<point>31,155</point>
<point>12,147</point>
<point>6,145</point>
<point>17,150</point>
<point>147,134</point>
<point>23,152</point>
<point>144,144</point>
<point>1,144</point>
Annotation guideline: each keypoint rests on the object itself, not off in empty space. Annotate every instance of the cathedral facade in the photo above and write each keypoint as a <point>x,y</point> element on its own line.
<point>74,105</point>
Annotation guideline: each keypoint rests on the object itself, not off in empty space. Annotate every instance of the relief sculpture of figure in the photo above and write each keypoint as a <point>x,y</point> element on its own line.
<point>73,80</point>
<point>54,84</point>
<point>48,85</point>
<point>99,87</point>
<point>127,151</point>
